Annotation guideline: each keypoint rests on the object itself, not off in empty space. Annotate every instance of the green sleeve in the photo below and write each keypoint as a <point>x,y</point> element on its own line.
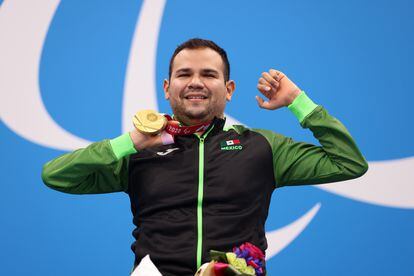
<point>296,163</point>
<point>102,167</point>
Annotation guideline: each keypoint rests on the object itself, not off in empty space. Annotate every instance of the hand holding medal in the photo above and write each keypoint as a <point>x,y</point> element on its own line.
<point>155,129</point>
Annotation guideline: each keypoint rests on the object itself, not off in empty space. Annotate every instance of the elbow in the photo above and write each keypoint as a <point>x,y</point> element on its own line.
<point>364,168</point>
<point>354,169</point>
<point>55,179</point>
<point>361,168</point>
<point>46,177</point>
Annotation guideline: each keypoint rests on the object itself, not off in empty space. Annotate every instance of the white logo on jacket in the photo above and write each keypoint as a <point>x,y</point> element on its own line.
<point>163,153</point>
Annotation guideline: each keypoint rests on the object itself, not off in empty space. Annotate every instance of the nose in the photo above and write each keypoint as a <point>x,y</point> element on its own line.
<point>195,83</point>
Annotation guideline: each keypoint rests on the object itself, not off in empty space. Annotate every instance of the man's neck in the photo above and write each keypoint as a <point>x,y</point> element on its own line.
<point>196,122</point>
<point>193,122</point>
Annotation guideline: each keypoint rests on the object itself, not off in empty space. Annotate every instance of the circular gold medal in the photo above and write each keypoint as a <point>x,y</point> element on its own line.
<point>149,122</point>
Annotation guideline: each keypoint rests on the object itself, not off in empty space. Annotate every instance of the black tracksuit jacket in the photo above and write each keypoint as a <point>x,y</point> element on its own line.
<point>207,192</point>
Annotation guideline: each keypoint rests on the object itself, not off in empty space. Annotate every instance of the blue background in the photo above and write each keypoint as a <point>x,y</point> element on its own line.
<point>353,57</point>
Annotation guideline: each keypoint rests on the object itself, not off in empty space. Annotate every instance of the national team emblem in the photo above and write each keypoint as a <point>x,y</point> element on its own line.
<point>231,145</point>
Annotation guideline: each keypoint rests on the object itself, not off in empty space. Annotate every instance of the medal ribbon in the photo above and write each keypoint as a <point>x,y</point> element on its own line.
<point>174,128</point>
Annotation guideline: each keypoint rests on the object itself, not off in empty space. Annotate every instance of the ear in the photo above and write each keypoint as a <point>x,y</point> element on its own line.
<point>166,85</point>
<point>230,87</point>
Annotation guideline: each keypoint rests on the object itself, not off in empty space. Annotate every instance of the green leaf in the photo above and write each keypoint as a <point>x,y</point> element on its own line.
<point>218,256</point>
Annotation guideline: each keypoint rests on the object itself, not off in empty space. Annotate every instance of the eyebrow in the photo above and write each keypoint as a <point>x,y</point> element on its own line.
<point>210,71</point>
<point>183,70</point>
<point>186,70</point>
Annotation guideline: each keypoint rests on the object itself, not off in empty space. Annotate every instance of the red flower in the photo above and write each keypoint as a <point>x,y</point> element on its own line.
<point>253,264</point>
<point>254,251</point>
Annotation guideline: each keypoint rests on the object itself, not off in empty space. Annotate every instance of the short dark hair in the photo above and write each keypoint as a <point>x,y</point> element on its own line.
<point>197,43</point>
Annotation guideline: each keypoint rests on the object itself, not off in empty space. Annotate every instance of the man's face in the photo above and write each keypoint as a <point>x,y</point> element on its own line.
<point>197,91</point>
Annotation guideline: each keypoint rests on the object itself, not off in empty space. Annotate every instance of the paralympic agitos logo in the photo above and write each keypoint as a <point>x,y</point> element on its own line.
<point>140,76</point>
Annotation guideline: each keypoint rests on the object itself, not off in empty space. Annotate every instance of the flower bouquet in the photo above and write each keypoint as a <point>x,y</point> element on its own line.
<point>245,260</point>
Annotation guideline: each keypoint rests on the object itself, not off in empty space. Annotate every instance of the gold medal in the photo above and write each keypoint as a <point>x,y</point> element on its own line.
<point>149,122</point>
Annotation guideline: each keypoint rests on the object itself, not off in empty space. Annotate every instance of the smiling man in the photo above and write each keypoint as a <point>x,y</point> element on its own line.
<point>198,85</point>
<point>211,189</point>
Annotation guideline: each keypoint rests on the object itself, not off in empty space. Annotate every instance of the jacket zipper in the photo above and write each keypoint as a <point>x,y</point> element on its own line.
<point>200,196</point>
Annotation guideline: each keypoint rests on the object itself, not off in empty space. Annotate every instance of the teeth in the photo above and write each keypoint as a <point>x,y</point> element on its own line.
<point>195,97</point>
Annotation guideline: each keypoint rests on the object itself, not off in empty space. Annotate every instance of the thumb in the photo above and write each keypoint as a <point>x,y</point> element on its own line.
<point>262,103</point>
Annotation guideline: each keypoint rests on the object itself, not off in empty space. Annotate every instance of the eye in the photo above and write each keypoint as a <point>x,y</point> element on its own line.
<point>182,75</point>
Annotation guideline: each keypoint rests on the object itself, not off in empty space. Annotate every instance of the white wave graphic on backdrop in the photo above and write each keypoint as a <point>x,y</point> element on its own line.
<point>140,91</point>
<point>23,111</point>
<point>23,29</point>
<point>387,183</point>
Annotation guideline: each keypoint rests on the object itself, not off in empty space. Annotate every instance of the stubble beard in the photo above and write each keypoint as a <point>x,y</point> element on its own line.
<point>191,115</point>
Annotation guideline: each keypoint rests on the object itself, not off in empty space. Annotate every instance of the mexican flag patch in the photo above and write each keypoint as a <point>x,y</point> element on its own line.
<point>231,145</point>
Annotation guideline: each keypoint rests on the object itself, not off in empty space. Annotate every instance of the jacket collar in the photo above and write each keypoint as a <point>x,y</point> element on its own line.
<point>217,122</point>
